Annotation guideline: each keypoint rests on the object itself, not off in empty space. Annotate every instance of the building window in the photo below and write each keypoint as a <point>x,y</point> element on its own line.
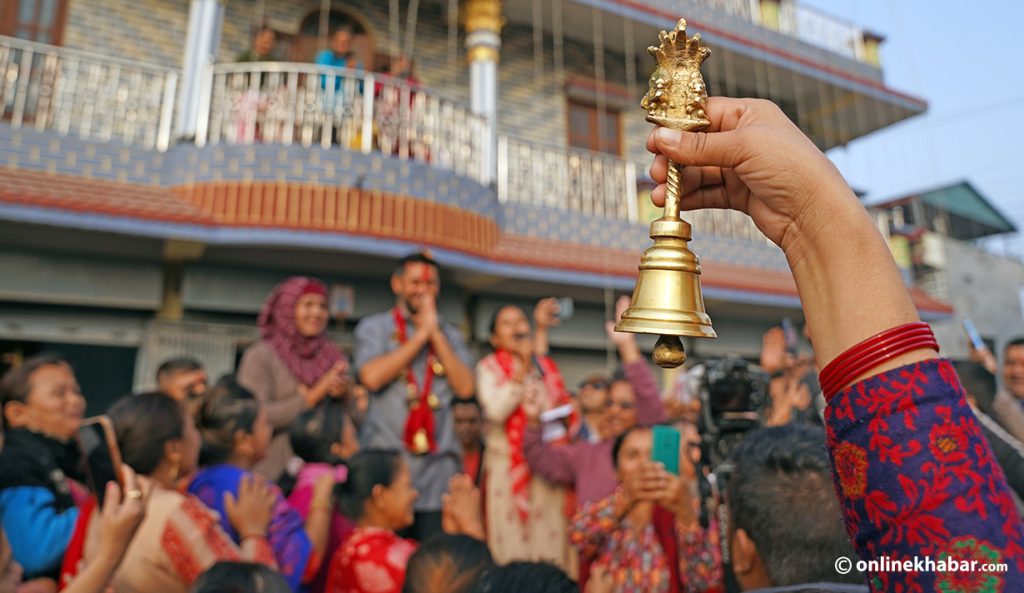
<point>35,20</point>
<point>585,131</point>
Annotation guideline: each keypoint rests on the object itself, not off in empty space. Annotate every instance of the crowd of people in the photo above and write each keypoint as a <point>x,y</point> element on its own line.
<point>409,466</point>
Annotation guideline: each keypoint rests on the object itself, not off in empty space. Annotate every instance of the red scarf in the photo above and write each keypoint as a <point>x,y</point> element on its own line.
<point>515,426</point>
<point>75,553</point>
<point>420,428</point>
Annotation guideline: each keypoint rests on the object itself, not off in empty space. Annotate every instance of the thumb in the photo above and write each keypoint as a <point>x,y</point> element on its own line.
<point>702,149</point>
<point>230,504</point>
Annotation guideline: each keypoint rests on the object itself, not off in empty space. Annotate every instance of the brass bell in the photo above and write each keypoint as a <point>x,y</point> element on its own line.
<point>667,300</point>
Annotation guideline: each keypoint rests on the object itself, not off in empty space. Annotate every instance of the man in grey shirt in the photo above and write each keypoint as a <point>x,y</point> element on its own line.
<point>413,364</point>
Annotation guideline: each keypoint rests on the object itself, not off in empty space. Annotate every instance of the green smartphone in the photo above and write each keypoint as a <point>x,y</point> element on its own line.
<point>666,448</point>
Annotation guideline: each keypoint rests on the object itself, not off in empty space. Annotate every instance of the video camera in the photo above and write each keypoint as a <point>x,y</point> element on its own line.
<point>734,396</point>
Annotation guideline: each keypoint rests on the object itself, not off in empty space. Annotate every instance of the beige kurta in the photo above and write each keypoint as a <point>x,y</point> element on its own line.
<point>263,373</point>
<point>178,540</point>
<point>543,536</point>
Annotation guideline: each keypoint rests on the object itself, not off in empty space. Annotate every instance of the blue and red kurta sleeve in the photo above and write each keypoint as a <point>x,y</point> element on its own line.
<point>916,478</point>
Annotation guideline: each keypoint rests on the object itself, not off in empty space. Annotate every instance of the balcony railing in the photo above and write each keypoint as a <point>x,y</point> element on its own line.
<point>566,179</point>
<point>805,23</point>
<point>823,30</point>
<point>292,103</point>
<point>86,95</point>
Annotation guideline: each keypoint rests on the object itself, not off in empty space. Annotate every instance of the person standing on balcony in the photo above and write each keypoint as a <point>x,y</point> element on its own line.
<point>338,55</point>
<point>525,518</point>
<point>250,118</point>
<point>263,44</point>
<point>294,366</point>
<point>413,363</point>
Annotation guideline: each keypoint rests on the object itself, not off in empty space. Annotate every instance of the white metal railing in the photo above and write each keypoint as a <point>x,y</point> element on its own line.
<point>822,30</point>
<point>566,179</point>
<point>724,223</point>
<point>294,103</point>
<point>87,95</point>
<point>803,22</point>
<point>744,9</point>
<point>596,184</point>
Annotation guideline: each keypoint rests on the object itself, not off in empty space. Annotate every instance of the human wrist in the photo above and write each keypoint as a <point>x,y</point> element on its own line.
<point>109,554</point>
<point>846,302</point>
<point>629,350</point>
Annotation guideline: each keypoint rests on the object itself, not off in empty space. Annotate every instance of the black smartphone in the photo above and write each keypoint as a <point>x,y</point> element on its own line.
<point>789,330</point>
<point>666,448</point>
<point>101,456</point>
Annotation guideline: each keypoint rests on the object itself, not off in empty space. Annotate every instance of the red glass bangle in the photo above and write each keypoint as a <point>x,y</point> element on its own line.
<point>858,359</point>
<point>849,357</point>
<point>874,361</point>
<point>854,357</point>
<point>835,381</point>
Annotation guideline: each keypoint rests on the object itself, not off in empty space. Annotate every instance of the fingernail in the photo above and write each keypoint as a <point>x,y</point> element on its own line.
<point>669,136</point>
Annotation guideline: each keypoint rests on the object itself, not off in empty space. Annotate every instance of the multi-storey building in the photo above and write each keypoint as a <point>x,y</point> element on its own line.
<point>942,239</point>
<point>153,190</point>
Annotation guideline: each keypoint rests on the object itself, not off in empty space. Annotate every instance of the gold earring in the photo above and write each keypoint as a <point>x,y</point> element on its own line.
<point>174,471</point>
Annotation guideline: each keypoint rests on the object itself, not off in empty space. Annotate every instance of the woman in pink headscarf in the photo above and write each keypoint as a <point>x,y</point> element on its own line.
<point>294,366</point>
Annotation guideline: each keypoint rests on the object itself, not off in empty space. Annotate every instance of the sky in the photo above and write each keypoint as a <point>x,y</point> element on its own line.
<point>966,59</point>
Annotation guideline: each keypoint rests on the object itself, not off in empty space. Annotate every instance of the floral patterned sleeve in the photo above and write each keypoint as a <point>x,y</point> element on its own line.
<point>590,527</point>
<point>700,558</point>
<point>916,479</point>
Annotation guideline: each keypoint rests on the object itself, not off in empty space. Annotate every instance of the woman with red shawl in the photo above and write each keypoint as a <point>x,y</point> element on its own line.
<point>294,366</point>
<point>524,512</point>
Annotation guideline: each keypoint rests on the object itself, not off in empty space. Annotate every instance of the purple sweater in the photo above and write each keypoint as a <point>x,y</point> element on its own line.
<point>917,479</point>
<point>588,466</point>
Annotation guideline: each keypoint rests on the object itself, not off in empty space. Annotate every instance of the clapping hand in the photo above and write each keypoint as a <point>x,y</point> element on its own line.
<point>461,509</point>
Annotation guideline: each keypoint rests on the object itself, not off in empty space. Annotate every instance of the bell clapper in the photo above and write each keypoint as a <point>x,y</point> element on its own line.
<point>669,352</point>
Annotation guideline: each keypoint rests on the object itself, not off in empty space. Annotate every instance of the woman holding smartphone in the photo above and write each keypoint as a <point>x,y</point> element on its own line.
<point>180,537</point>
<point>525,516</point>
<point>646,536</point>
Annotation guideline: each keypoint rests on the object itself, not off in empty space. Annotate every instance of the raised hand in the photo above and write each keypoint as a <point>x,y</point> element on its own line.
<point>333,382</point>
<point>461,509</point>
<point>251,512</point>
<point>678,494</point>
<point>545,314</point>
<point>122,513</point>
<point>425,319</point>
<point>752,159</point>
<point>619,338</point>
<point>773,350</point>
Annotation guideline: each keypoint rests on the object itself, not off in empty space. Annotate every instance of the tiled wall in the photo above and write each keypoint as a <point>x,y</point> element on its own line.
<point>185,164</point>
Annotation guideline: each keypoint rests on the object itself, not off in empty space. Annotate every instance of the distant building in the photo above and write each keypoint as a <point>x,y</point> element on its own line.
<point>935,236</point>
<point>152,191</point>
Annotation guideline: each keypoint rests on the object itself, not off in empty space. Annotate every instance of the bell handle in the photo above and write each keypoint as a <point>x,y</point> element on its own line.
<point>673,190</point>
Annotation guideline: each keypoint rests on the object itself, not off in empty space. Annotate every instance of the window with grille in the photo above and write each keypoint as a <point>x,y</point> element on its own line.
<point>589,129</point>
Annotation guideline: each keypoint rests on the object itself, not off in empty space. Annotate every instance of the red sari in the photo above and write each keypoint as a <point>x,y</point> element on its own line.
<point>372,560</point>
